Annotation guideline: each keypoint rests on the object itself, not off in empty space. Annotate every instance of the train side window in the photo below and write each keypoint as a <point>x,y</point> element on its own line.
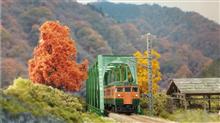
<point>134,89</point>
<point>119,89</point>
<point>127,89</point>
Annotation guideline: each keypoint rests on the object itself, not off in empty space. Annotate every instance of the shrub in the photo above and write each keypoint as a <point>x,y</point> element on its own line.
<point>42,101</point>
<point>162,105</point>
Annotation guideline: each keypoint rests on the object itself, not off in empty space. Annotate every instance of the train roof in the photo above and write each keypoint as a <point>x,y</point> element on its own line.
<point>117,83</point>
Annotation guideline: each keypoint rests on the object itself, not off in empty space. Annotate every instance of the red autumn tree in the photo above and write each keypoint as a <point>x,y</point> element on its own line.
<point>54,62</point>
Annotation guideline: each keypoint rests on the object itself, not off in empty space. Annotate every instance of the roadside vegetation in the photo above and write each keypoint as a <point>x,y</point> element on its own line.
<point>193,116</point>
<point>25,101</point>
<point>163,108</point>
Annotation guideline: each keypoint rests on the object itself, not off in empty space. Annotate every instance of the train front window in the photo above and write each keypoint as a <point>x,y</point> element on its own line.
<point>134,89</point>
<point>127,89</point>
<point>120,89</point>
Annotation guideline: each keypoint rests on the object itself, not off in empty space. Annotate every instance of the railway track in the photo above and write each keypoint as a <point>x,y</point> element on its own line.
<point>133,118</point>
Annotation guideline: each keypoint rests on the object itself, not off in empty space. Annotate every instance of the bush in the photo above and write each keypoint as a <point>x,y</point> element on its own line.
<point>162,105</point>
<point>42,101</point>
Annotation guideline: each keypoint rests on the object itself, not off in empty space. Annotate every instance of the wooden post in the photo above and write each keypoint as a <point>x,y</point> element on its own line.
<point>184,102</point>
<point>204,107</point>
<point>189,102</point>
<point>209,101</point>
<point>204,103</point>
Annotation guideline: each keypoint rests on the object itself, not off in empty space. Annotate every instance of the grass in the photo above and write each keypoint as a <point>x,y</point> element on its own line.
<point>163,109</point>
<point>43,101</point>
<point>193,116</point>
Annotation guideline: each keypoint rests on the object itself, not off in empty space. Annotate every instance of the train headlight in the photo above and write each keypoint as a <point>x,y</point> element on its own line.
<point>119,95</point>
<point>136,95</point>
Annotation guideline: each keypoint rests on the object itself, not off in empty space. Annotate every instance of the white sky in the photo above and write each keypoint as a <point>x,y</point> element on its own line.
<point>208,8</point>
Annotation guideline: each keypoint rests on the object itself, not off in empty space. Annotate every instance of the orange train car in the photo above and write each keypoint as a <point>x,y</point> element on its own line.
<point>121,93</point>
<point>120,97</point>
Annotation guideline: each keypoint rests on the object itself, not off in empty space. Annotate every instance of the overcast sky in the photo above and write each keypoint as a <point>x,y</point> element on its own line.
<point>208,8</point>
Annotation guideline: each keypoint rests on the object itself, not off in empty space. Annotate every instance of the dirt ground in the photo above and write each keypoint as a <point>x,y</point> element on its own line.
<point>133,118</point>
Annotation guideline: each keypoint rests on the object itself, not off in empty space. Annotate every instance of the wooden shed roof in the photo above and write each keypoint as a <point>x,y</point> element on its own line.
<point>196,85</point>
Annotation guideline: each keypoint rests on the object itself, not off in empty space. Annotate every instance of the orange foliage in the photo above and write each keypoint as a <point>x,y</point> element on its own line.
<point>54,62</point>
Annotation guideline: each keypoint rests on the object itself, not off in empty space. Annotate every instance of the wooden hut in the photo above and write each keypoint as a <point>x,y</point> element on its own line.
<point>185,90</point>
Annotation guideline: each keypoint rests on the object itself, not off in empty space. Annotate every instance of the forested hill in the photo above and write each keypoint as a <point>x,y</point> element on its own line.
<point>187,42</point>
<point>170,23</point>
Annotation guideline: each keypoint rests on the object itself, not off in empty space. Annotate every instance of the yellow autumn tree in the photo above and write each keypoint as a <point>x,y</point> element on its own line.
<point>142,71</point>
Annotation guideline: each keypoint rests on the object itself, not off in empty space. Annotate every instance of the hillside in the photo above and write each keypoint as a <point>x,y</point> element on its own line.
<point>170,23</point>
<point>27,102</point>
<point>213,70</point>
<point>187,42</point>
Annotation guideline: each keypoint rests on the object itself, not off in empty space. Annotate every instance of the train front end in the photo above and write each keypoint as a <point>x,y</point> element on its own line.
<point>122,98</point>
<point>121,93</point>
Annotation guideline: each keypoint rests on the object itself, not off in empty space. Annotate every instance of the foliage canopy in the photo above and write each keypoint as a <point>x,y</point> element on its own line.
<point>54,62</point>
<point>142,71</point>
